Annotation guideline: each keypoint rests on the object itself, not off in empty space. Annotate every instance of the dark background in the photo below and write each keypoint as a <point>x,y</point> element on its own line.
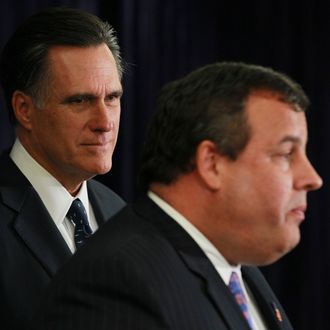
<point>163,40</point>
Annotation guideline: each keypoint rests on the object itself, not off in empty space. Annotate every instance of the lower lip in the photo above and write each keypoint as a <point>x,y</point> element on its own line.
<point>97,146</point>
<point>299,215</point>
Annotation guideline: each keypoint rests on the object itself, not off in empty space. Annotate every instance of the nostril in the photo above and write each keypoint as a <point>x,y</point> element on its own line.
<point>101,124</point>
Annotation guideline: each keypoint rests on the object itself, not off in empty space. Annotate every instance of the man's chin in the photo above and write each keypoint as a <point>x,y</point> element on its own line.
<point>93,171</point>
<point>103,169</point>
<point>283,250</point>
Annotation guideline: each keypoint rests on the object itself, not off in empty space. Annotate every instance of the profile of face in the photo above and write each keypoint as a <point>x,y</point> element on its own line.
<point>263,192</point>
<point>74,134</point>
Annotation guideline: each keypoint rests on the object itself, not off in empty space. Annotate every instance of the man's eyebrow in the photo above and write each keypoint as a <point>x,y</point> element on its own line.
<point>73,97</point>
<point>291,138</point>
<point>116,93</point>
<point>90,96</point>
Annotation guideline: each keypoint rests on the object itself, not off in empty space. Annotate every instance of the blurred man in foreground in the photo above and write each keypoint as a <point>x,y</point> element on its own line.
<point>226,176</point>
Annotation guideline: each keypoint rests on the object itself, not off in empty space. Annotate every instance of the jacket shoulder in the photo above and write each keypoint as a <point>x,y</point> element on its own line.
<point>104,199</point>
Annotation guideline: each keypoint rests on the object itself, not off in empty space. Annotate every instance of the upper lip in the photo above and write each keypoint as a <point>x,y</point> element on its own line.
<point>301,208</point>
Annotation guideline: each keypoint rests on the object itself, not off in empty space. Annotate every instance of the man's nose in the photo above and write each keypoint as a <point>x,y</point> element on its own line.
<point>101,118</point>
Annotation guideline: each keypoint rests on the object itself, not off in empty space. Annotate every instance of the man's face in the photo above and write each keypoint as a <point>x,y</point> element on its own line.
<point>74,135</point>
<point>264,190</point>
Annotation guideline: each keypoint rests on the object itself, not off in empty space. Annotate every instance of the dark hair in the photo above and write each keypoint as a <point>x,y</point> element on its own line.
<point>24,61</point>
<point>207,104</point>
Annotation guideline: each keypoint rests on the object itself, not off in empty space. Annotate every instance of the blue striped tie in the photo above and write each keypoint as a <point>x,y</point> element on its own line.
<point>77,214</point>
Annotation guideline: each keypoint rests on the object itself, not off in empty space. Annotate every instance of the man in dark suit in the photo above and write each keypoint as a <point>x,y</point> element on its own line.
<point>226,176</point>
<point>61,75</point>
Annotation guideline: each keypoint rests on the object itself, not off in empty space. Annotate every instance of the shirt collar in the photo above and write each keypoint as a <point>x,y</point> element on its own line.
<point>55,197</point>
<point>219,262</point>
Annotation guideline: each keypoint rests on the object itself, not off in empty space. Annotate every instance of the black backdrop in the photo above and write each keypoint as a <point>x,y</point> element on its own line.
<point>162,40</point>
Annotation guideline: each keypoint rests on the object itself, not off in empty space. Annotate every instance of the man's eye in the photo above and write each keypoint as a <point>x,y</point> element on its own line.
<point>77,100</point>
<point>112,99</point>
<point>287,155</point>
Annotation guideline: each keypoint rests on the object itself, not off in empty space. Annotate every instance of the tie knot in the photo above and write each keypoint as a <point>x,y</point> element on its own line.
<point>234,282</point>
<point>77,214</point>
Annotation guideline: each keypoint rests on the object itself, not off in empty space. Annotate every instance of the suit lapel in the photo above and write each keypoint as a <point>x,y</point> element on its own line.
<point>271,310</point>
<point>217,290</point>
<point>102,209</point>
<point>32,223</point>
<point>197,262</point>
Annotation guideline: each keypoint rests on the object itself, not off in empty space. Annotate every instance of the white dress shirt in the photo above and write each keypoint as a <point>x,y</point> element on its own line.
<point>223,268</point>
<point>55,197</point>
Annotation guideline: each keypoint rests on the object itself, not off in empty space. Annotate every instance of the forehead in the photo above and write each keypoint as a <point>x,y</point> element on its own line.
<point>82,64</point>
<point>270,118</point>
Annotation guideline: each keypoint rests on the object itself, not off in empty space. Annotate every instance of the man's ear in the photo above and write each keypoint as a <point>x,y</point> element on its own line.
<point>23,108</point>
<point>208,164</point>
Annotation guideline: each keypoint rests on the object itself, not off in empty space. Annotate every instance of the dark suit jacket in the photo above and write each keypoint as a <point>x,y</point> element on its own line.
<point>31,247</point>
<point>142,271</point>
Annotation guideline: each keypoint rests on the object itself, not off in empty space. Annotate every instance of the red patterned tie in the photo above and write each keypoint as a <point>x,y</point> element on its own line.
<point>237,290</point>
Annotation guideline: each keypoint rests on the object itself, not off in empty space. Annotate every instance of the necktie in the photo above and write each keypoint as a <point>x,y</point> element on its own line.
<point>237,290</point>
<point>77,214</point>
